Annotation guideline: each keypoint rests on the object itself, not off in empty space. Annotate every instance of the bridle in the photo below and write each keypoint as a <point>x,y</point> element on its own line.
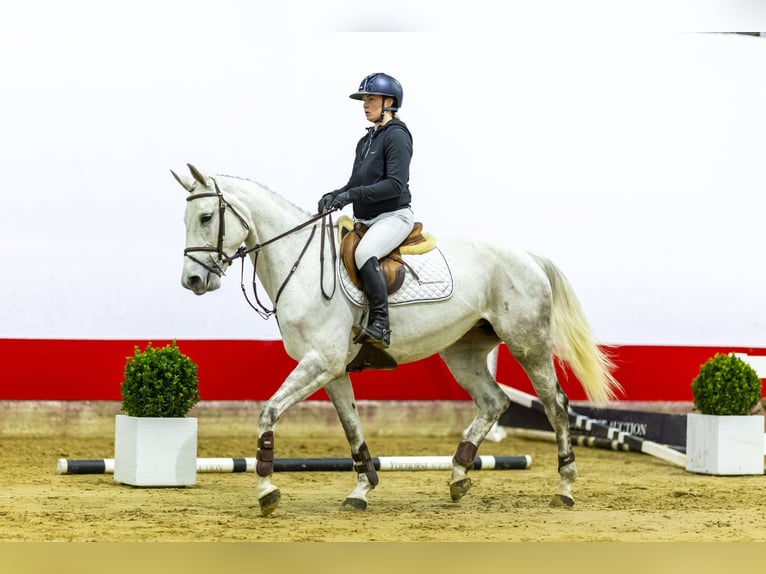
<point>224,259</point>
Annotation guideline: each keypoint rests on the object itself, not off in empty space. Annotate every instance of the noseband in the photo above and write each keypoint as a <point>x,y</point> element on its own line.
<point>223,258</point>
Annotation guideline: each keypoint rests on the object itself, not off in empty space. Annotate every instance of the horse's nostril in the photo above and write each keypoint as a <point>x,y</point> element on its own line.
<point>194,281</point>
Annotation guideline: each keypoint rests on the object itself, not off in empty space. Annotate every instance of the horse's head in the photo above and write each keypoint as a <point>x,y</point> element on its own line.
<point>214,232</point>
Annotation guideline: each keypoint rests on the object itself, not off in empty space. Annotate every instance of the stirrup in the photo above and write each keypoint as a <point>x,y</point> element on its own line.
<point>379,337</point>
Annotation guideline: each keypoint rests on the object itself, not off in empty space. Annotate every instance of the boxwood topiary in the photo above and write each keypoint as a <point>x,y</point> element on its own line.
<point>726,385</point>
<point>159,383</point>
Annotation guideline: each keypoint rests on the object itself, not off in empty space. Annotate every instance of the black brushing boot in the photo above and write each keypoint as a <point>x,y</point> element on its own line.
<point>377,331</point>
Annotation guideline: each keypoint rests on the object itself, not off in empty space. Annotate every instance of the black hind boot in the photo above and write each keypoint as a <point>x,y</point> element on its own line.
<point>377,331</point>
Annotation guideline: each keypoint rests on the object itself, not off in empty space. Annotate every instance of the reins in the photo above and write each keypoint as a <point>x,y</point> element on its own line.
<point>261,309</point>
<point>243,251</point>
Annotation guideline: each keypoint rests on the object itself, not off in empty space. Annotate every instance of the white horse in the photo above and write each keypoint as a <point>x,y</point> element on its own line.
<point>501,294</point>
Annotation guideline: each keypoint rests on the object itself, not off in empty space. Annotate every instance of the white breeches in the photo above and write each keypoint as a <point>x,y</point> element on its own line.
<point>384,234</point>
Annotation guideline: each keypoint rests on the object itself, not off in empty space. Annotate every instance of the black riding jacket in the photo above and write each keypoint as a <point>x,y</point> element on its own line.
<point>380,177</point>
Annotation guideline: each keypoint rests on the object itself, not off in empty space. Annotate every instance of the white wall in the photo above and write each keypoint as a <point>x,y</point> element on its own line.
<point>633,158</point>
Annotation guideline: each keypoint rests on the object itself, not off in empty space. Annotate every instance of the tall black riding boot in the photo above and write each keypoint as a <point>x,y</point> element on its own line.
<point>377,331</point>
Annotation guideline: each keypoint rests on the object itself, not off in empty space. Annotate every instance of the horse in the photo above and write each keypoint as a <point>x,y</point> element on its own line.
<point>502,294</point>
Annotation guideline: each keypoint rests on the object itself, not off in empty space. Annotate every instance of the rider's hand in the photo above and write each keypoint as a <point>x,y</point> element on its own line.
<point>325,202</point>
<point>341,200</point>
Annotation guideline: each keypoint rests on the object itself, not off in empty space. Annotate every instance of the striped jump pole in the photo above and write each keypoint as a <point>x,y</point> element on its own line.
<point>578,439</point>
<point>383,463</point>
<point>600,430</point>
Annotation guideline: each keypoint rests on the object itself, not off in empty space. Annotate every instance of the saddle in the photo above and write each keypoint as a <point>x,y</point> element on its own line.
<point>393,265</point>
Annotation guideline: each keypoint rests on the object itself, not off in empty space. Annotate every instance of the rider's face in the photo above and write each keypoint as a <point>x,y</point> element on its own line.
<point>372,107</point>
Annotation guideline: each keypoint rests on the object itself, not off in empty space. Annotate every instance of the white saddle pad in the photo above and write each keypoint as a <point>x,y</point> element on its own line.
<point>434,282</point>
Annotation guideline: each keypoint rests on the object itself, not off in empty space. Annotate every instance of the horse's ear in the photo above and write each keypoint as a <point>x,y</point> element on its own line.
<point>186,182</point>
<point>198,175</point>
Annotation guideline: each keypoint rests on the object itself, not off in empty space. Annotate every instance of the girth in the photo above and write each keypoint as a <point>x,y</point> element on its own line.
<point>393,265</point>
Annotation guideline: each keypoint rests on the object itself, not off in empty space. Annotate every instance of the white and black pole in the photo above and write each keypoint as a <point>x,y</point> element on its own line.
<point>383,463</point>
<point>600,430</point>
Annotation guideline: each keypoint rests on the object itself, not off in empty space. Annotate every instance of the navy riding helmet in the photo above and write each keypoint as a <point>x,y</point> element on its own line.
<point>381,85</point>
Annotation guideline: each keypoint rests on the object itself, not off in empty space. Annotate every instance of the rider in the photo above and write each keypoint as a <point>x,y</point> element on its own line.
<point>379,191</point>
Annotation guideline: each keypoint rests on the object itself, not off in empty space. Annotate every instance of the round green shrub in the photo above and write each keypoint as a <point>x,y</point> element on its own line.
<point>159,383</point>
<point>726,385</point>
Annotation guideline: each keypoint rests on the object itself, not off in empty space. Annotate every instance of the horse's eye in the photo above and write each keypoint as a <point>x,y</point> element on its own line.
<point>205,218</point>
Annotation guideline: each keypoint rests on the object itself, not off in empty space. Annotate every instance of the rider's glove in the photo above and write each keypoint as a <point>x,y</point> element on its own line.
<point>341,200</point>
<point>325,202</point>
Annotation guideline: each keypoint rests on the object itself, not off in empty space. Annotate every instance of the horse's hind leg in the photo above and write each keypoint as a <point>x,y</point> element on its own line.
<point>539,367</point>
<point>467,361</point>
<point>342,395</point>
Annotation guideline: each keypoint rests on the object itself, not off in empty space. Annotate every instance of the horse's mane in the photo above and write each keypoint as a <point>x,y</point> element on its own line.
<point>265,188</point>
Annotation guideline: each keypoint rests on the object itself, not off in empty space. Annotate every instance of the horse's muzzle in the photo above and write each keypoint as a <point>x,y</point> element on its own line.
<point>200,284</point>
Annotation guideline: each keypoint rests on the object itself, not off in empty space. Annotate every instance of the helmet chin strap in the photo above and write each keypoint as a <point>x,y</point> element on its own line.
<point>384,109</point>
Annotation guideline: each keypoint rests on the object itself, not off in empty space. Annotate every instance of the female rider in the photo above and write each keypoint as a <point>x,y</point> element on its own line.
<point>379,191</point>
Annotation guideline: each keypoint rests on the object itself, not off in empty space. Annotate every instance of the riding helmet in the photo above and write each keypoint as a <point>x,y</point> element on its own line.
<point>380,85</point>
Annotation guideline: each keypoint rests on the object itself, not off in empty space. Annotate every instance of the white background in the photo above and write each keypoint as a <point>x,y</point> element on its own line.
<point>617,142</point>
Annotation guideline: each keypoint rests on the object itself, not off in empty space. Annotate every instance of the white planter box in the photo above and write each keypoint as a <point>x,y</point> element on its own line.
<point>152,451</point>
<point>724,444</point>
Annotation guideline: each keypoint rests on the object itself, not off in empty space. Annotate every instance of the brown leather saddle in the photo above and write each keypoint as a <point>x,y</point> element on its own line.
<point>393,265</point>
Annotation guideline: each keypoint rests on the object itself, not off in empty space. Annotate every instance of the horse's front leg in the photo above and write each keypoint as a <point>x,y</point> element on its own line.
<point>342,395</point>
<point>308,377</point>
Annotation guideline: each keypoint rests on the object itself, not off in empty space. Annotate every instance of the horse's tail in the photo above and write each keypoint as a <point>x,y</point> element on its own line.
<point>573,340</point>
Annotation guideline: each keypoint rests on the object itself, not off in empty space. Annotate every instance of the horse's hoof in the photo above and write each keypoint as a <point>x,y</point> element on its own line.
<point>354,504</point>
<point>459,489</point>
<point>562,501</point>
<point>269,502</point>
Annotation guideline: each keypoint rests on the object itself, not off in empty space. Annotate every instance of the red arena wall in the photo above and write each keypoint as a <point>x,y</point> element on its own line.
<point>63,369</point>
